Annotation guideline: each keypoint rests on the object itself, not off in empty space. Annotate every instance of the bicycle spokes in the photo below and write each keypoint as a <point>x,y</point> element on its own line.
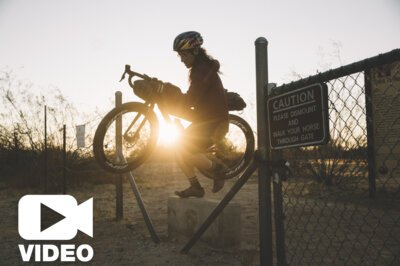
<point>132,136</point>
<point>135,135</point>
<point>233,146</point>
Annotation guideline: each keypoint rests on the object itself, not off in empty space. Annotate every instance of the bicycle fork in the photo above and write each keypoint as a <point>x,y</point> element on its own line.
<point>136,135</point>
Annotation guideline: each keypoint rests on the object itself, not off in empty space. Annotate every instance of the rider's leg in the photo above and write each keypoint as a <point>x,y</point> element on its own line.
<point>195,189</point>
<point>187,169</point>
<point>195,141</point>
<point>188,161</point>
<point>201,161</point>
<point>198,160</point>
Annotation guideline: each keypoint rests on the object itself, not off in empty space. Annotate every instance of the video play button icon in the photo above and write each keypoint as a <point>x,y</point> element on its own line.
<point>48,217</point>
<point>54,217</point>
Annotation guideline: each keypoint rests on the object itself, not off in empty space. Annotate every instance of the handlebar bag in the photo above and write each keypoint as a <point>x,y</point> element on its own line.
<point>143,89</point>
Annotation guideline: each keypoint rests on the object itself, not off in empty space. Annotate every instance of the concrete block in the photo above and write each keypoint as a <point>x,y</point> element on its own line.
<point>186,215</point>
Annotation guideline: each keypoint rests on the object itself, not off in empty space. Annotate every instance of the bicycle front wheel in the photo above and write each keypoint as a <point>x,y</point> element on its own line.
<point>138,127</point>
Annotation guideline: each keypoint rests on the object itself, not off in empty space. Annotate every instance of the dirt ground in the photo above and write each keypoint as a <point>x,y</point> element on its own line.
<point>319,231</point>
<point>127,242</point>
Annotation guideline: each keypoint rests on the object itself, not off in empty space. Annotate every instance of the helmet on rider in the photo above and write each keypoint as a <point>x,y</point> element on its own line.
<point>187,40</point>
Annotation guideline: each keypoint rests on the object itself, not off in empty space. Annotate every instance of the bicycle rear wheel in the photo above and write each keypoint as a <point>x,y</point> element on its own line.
<point>139,133</point>
<point>235,150</point>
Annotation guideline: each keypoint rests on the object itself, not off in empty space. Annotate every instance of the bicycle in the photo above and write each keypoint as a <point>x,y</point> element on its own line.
<point>139,125</point>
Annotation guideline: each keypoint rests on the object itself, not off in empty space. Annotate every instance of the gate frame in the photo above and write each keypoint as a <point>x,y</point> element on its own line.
<point>360,66</point>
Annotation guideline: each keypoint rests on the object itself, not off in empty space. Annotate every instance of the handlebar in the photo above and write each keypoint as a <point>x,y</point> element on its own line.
<point>156,85</point>
<point>132,74</point>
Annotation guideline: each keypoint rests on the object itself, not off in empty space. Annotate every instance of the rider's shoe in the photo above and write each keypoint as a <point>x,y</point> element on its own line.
<point>219,173</point>
<point>192,191</point>
<point>219,170</point>
<point>218,184</point>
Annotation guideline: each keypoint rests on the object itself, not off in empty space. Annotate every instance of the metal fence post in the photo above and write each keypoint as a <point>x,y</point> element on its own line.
<point>64,159</point>
<point>370,134</point>
<point>118,143</point>
<point>279,221</point>
<point>16,148</point>
<point>264,177</point>
<point>278,206</point>
<point>45,150</point>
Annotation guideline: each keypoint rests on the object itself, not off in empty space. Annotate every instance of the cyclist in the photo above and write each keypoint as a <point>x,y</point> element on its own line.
<point>206,103</point>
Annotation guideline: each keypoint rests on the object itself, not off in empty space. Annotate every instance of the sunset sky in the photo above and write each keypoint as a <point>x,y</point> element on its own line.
<point>81,46</point>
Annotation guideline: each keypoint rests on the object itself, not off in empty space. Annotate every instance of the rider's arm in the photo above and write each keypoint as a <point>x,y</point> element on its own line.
<point>181,104</point>
<point>199,86</point>
<point>173,100</point>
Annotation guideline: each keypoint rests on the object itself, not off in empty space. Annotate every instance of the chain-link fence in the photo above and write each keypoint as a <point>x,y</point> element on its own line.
<point>342,204</point>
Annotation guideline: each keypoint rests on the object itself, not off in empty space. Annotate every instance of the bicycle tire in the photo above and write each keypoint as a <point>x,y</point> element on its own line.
<point>110,163</point>
<point>238,167</point>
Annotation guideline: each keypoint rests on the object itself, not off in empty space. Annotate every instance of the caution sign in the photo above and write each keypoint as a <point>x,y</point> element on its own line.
<point>299,117</point>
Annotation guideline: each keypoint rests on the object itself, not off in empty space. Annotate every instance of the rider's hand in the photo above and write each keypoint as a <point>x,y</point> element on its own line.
<point>158,85</point>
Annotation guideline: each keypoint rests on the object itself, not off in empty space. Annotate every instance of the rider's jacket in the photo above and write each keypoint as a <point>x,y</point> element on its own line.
<point>206,93</point>
<point>205,99</point>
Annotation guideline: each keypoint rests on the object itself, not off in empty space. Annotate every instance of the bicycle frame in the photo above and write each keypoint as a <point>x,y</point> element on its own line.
<point>151,105</point>
<point>148,111</point>
<point>165,115</point>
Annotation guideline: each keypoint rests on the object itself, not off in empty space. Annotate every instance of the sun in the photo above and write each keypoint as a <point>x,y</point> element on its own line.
<point>169,134</point>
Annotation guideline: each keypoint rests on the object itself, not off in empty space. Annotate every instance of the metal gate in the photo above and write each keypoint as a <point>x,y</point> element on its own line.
<point>341,205</point>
